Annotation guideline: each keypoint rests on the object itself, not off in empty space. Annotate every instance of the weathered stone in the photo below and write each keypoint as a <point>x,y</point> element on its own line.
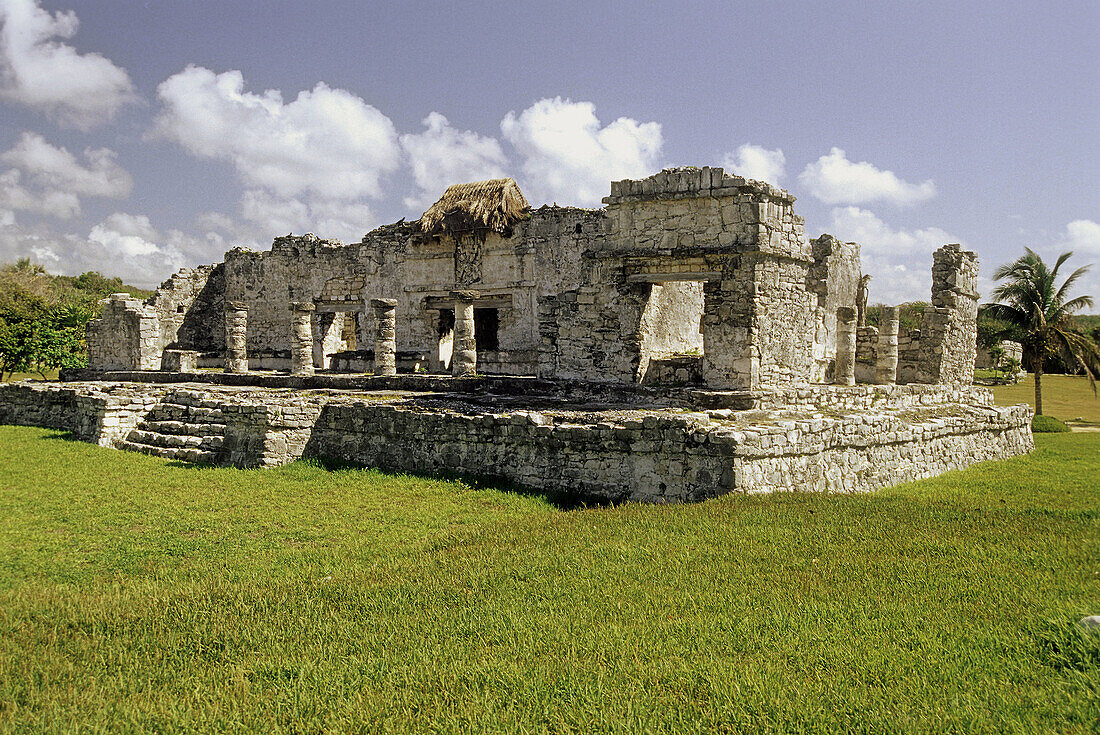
<point>236,337</point>
<point>464,356</point>
<point>845,346</point>
<point>301,351</point>
<point>385,336</point>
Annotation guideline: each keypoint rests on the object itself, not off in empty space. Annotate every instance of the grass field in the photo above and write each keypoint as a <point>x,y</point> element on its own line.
<point>1065,397</point>
<point>15,377</point>
<point>139,595</point>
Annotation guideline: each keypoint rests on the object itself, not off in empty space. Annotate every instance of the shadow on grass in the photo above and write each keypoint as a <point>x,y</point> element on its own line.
<point>557,498</point>
<point>62,435</point>
<point>561,500</point>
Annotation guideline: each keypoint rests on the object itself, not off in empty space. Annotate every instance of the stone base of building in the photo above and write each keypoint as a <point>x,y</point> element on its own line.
<point>697,445</point>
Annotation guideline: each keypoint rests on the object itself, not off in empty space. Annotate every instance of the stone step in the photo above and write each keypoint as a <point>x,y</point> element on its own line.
<point>176,441</point>
<point>188,428</point>
<point>183,454</point>
<point>194,400</point>
<point>191,414</point>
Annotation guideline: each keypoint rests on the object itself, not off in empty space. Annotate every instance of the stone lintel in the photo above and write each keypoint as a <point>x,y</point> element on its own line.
<point>465,295</point>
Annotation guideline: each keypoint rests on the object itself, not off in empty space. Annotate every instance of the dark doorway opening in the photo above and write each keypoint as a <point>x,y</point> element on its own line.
<point>487,329</point>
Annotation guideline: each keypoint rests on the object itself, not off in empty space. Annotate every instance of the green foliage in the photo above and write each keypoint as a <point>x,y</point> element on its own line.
<point>1037,312</point>
<point>140,595</point>
<point>910,315</point>
<point>43,317</point>
<point>1047,425</point>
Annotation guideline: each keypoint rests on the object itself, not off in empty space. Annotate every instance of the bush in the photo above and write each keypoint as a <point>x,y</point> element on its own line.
<point>1047,425</point>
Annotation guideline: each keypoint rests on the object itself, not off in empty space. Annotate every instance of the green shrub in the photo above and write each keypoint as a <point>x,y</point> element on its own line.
<point>1047,425</point>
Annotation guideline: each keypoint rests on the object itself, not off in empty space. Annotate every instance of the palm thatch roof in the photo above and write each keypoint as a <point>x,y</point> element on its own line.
<point>496,205</point>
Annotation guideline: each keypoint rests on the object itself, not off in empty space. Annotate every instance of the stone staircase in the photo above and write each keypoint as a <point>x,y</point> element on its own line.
<point>187,425</point>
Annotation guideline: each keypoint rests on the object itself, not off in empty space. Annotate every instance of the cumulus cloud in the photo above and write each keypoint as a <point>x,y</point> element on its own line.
<point>308,163</point>
<point>834,179</point>
<point>756,162</point>
<point>55,167</point>
<point>15,196</point>
<point>899,261</point>
<point>121,245</point>
<point>567,155</point>
<point>327,142</point>
<point>1082,236</point>
<point>50,180</point>
<point>268,216</point>
<point>39,70</point>
<point>126,235</point>
<point>442,155</point>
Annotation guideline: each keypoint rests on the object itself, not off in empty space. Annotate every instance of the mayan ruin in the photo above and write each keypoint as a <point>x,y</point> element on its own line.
<point>684,341</point>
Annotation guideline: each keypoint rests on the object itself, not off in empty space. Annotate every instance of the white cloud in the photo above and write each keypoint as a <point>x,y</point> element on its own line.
<point>40,71</point>
<point>568,157</point>
<point>756,162</point>
<point>50,180</point>
<point>326,143</point>
<point>14,195</point>
<point>122,245</point>
<point>7,218</point>
<point>899,261</point>
<point>442,155</point>
<point>55,168</point>
<point>834,179</point>
<point>126,235</point>
<point>1082,236</point>
<point>270,216</point>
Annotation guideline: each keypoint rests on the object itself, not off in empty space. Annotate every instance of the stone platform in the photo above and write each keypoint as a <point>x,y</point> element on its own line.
<point>599,443</point>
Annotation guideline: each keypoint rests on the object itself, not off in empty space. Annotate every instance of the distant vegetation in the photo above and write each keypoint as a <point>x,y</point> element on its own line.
<point>43,316</point>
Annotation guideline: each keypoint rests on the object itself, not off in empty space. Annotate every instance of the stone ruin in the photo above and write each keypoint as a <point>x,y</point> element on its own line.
<point>684,341</point>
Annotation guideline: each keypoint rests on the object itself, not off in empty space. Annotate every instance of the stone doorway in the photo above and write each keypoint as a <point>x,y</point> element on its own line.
<point>671,333</point>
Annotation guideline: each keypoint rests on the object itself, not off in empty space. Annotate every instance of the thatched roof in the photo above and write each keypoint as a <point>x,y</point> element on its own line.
<point>496,204</point>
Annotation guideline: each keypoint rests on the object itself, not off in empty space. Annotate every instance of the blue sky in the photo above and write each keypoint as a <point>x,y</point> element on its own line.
<point>139,137</point>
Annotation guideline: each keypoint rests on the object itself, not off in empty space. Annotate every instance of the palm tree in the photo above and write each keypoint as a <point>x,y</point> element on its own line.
<point>1037,313</point>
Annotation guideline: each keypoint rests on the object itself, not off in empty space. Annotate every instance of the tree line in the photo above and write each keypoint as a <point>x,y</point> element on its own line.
<point>43,316</point>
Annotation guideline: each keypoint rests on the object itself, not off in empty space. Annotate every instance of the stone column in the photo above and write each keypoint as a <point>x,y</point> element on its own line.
<point>464,355</point>
<point>236,334</point>
<point>886,361</point>
<point>845,346</point>
<point>301,349</point>
<point>385,336</point>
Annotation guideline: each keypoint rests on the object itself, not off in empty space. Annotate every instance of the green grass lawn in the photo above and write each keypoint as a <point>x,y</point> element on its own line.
<point>1065,397</point>
<point>15,377</point>
<point>139,595</point>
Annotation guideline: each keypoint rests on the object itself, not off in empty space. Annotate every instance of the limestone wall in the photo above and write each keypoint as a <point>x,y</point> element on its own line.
<point>834,278</point>
<point>944,349</point>
<point>126,336</point>
<point>190,308</point>
<point>630,452</point>
<point>100,413</point>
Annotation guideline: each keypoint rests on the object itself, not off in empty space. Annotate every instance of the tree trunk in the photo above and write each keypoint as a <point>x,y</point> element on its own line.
<point>1039,389</point>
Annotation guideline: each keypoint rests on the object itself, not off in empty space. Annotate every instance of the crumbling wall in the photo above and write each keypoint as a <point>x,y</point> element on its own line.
<point>671,322</point>
<point>834,278</point>
<point>944,349</point>
<point>297,268</point>
<point>866,354</point>
<point>190,308</point>
<point>126,336</point>
<point>740,237</point>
